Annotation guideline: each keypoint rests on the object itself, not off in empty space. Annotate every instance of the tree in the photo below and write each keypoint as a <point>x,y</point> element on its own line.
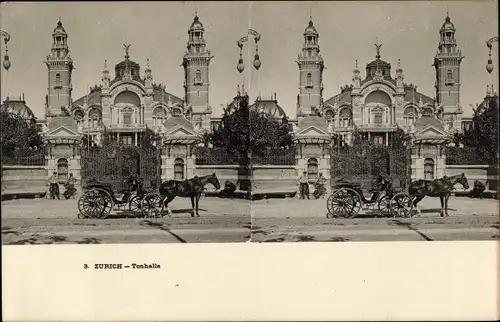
<point>483,134</point>
<point>243,130</point>
<point>18,134</point>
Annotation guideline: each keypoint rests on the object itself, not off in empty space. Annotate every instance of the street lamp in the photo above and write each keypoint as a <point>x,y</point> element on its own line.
<point>256,62</point>
<point>489,43</point>
<point>6,61</point>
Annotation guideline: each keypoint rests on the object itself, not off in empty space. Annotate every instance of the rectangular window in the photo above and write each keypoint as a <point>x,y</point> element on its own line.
<point>127,118</point>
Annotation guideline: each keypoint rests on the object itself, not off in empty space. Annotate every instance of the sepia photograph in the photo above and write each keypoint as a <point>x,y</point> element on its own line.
<point>249,160</point>
<point>249,121</point>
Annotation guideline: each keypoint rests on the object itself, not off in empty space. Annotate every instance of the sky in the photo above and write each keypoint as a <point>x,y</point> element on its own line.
<point>157,31</point>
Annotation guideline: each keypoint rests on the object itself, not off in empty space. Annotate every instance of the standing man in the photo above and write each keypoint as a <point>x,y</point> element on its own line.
<point>304,185</point>
<point>320,186</point>
<point>54,186</point>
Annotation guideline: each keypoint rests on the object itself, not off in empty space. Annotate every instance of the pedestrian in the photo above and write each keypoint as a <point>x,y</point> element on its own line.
<point>70,187</point>
<point>54,186</point>
<point>304,186</point>
<point>320,186</point>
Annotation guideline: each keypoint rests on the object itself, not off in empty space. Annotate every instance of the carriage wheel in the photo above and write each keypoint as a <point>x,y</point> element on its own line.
<point>107,203</point>
<point>401,205</point>
<point>152,205</point>
<point>384,205</point>
<point>83,206</point>
<point>344,203</point>
<point>95,203</point>
<point>134,205</point>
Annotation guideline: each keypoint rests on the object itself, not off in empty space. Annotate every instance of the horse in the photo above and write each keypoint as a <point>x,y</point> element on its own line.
<point>436,188</point>
<point>191,188</point>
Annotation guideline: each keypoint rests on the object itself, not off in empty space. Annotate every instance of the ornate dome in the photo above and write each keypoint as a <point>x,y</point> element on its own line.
<point>270,107</point>
<point>448,25</point>
<point>310,29</point>
<point>384,67</point>
<point>133,67</point>
<point>59,30</point>
<point>17,107</point>
<point>196,25</point>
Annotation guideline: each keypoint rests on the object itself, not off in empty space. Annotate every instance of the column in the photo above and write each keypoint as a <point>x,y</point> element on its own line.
<point>386,138</point>
<point>135,138</point>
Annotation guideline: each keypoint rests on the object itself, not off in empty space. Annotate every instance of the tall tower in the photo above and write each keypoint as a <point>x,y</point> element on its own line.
<point>447,65</point>
<point>196,63</point>
<point>311,68</point>
<point>60,67</point>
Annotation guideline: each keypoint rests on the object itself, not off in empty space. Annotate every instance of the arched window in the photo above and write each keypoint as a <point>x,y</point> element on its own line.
<point>179,169</point>
<point>159,116</point>
<point>78,117</point>
<point>428,169</point>
<point>58,83</point>
<point>449,77</point>
<point>329,116</point>
<point>197,78</point>
<point>312,169</point>
<point>409,115</point>
<point>309,80</point>
<point>345,117</point>
<point>95,118</point>
<point>62,170</point>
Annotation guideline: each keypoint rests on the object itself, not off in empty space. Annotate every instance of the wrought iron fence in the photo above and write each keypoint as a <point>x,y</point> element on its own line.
<point>464,156</point>
<point>26,157</point>
<point>215,156</point>
<point>275,157</point>
<point>220,156</point>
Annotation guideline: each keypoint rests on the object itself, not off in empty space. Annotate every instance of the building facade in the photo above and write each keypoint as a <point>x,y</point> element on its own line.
<point>380,101</point>
<point>126,103</point>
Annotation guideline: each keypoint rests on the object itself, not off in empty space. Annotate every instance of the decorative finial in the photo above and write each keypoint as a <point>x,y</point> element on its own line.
<point>147,63</point>
<point>377,46</point>
<point>399,63</point>
<point>105,64</point>
<point>126,51</point>
<point>356,64</point>
<point>310,12</point>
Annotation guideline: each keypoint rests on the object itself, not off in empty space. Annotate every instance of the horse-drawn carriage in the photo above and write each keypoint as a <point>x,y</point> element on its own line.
<point>99,199</point>
<point>347,200</point>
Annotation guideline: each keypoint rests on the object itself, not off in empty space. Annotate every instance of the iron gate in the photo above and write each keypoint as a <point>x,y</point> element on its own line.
<point>113,162</point>
<point>363,161</point>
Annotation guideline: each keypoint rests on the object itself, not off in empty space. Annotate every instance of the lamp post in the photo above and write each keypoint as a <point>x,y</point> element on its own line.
<point>489,43</point>
<point>6,60</point>
<point>256,62</point>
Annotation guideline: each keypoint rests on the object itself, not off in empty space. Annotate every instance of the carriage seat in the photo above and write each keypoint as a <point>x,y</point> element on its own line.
<point>97,183</point>
<point>343,182</point>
